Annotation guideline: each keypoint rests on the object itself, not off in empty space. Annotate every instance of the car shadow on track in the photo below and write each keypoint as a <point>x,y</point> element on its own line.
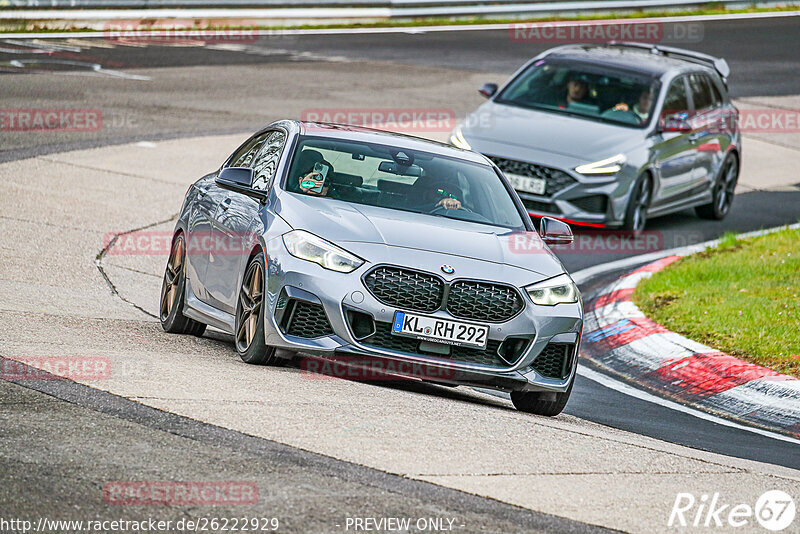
<point>293,363</point>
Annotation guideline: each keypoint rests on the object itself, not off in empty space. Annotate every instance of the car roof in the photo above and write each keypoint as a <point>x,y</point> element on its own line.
<point>640,60</point>
<point>381,137</point>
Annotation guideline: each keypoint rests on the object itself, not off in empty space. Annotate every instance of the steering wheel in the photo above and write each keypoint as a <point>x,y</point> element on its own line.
<point>626,115</point>
<point>475,217</point>
<point>440,209</point>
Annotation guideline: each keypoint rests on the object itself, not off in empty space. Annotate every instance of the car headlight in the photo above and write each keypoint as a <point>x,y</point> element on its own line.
<point>307,246</point>
<point>558,290</point>
<point>606,166</point>
<point>457,139</point>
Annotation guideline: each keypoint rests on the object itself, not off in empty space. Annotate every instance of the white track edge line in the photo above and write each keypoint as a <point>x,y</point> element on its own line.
<point>626,389</point>
<point>612,383</point>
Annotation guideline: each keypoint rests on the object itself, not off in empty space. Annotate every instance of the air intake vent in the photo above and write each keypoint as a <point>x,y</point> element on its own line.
<point>555,360</point>
<point>305,319</point>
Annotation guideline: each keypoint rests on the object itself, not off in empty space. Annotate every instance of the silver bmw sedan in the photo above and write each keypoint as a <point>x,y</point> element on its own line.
<point>389,254</point>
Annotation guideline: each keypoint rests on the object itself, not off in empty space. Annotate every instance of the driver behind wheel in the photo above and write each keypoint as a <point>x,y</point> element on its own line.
<point>308,180</point>
<point>437,192</point>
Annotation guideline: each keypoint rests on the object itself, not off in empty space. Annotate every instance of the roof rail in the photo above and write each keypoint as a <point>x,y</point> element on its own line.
<point>719,64</point>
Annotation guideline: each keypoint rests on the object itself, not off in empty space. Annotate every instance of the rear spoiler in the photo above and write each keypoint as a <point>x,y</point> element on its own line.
<point>718,64</point>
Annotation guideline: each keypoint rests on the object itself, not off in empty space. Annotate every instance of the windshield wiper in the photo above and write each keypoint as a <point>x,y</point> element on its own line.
<point>564,111</point>
<point>462,219</point>
<point>523,104</point>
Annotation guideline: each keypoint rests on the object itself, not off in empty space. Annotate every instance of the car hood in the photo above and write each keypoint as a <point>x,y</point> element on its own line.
<point>349,225</point>
<point>511,126</point>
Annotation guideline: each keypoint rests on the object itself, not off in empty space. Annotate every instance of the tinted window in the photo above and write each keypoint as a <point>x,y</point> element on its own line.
<point>701,92</point>
<point>243,157</point>
<point>676,100</point>
<point>397,178</point>
<point>715,92</point>
<point>267,160</point>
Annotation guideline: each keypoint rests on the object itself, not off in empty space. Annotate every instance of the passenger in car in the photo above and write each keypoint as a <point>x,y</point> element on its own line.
<point>642,107</point>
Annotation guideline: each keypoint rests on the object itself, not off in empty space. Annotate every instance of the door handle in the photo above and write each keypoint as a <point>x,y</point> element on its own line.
<point>225,204</point>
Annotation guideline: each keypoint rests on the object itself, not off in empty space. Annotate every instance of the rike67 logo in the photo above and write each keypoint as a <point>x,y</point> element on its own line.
<point>774,510</point>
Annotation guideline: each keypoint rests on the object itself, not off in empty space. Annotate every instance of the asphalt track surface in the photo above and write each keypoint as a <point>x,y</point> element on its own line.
<point>756,50</point>
<point>760,52</point>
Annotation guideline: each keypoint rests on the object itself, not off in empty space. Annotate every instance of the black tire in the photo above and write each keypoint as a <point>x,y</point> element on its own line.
<point>249,325</point>
<point>636,212</point>
<point>541,403</point>
<point>723,192</point>
<point>173,287</point>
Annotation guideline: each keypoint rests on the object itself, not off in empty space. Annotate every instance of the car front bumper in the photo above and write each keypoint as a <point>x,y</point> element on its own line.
<point>291,280</point>
<point>596,201</point>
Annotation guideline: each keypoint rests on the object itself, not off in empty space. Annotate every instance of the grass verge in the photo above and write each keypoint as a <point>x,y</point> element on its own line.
<point>21,26</point>
<point>740,298</point>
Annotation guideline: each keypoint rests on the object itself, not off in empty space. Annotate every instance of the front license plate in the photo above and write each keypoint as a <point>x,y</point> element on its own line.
<point>440,330</point>
<point>527,184</point>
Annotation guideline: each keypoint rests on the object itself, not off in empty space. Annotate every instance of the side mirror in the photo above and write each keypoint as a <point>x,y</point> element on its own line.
<point>240,179</point>
<point>488,89</point>
<point>675,122</point>
<point>555,232</point>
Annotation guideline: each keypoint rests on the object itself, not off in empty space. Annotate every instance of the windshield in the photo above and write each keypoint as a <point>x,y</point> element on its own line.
<point>401,179</point>
<point>584,90</point>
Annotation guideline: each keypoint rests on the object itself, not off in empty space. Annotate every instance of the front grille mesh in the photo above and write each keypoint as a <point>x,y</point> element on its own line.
<point>554,360</point>
<point>466,299</point>
<point>308,320</point>
<point>384,339</point>
<point>407,289</point>
<point>555,179</point>
<point>483,301</point>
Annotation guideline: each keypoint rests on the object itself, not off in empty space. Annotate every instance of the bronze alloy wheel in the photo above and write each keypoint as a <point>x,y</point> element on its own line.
<point>251,297</point>
<point>170,289</point>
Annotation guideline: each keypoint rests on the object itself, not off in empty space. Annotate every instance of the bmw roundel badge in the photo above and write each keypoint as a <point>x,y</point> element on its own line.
<point>446,269</point>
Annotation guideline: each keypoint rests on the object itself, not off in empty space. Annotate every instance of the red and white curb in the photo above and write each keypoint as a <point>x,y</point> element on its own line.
<point>618,336</point>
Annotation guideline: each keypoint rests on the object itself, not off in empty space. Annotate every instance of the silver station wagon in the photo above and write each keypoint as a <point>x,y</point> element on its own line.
<point>610,135</point>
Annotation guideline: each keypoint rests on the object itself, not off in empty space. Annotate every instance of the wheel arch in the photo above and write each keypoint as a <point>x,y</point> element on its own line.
<point>734,150</point>
<point>255,250</point>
